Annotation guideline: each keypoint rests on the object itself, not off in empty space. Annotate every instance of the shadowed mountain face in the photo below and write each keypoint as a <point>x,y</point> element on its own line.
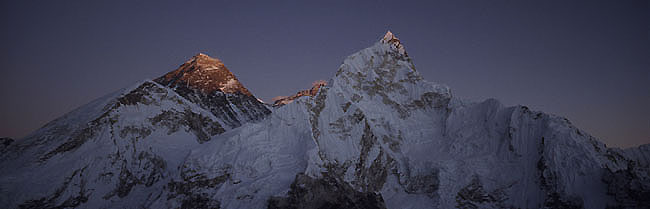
<point>376,135</point>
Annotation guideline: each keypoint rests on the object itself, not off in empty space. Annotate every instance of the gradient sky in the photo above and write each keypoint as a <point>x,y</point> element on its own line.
<point>586,60</point>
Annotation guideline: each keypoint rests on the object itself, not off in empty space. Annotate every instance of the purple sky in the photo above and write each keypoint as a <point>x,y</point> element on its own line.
<point>586,60</point>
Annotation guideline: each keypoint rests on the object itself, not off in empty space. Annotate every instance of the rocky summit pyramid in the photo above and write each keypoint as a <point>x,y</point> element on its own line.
<point>205,74</point>
<point>207,82</point>
<point>377,135</point>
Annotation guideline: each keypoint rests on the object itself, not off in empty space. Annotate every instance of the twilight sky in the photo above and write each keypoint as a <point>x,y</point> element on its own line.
<point>586,60</point>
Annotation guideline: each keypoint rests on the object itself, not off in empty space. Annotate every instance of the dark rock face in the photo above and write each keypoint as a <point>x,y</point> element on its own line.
<point>5,142</point>
<point>75,180</point>
<point>630,187</point>
<point>423,184</point>
<point>327,192</point>
<point>193,188</point>
<point>200,125</point>
<point>472,195</point>
<point>78,138</point>
<point>548,183</point>
<point>234,109</point>
<point>371,179</point>
<point>146,169</point>
<point>200,202</point>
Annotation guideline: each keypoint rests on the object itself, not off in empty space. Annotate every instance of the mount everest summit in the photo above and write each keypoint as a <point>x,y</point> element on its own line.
<point>376,135</point>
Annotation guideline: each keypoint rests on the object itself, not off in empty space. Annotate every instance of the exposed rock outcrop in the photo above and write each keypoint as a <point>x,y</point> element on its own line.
<point>327,192</point>
<point>283,100</point>
<point>5,142</point>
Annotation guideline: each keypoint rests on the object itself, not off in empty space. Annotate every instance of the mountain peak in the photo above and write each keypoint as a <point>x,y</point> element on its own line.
<point>204,59</point>
<point>283,100</point>
<point>205,74</point>
<point>390,38</point>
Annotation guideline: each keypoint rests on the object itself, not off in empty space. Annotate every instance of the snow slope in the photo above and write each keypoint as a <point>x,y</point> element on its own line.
<point>376,136</point>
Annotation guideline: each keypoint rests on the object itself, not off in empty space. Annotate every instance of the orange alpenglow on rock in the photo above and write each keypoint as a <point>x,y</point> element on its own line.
<point>283,100</point>
<point>205,74</point>
<point>389,38</point>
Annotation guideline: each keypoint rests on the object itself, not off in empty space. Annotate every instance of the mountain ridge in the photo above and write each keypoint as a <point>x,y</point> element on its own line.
<point>377,135</point>
<point>283,100</point>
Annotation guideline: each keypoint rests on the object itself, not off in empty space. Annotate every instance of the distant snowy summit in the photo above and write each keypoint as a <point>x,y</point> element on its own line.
<point>206,74</point>
<point>375,135</point>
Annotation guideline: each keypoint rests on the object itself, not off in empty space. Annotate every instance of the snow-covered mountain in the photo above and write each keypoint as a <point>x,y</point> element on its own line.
<point>377,135</point>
